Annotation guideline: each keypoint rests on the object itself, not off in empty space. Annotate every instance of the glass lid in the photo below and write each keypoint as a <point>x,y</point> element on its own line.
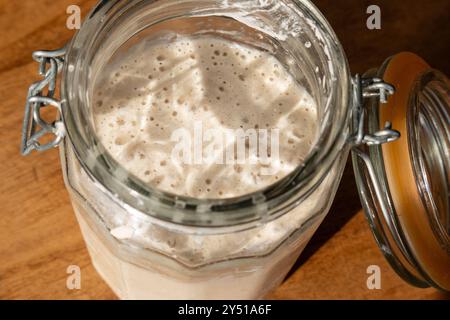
<point>405,185</point>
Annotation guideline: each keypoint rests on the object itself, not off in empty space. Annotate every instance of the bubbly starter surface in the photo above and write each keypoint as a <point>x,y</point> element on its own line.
<point>157,87</point>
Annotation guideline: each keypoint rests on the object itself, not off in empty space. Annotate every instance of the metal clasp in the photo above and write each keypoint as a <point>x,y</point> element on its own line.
<point>369,88</point>
<point>372,88</point>
<point>50,64</point>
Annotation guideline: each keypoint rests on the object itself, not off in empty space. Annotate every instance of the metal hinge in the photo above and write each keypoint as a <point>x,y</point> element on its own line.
<point>34,127</point>
<point>370,88</point>
<point>381,217</point>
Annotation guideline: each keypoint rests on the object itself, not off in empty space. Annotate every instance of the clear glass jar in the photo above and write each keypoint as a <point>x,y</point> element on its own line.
<point>149,244</point>
<point>175,247</point>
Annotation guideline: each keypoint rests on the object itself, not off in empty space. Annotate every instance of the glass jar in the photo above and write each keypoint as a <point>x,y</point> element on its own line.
<point>150,244</point>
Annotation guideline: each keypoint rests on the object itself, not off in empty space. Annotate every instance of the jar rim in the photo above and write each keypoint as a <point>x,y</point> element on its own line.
<point>271,201</point>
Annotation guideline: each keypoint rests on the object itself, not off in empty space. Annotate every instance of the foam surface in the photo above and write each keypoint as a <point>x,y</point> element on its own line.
<point>155,88</point>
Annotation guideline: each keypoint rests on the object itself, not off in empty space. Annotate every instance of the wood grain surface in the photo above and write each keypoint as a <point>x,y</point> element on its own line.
<point>39,236</point>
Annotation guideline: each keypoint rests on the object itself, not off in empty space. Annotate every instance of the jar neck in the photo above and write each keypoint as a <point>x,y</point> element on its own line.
<point>322,67</point>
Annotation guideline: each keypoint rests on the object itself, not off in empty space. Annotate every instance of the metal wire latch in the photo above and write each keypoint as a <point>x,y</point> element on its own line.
<point>34,127</point>
<point>368,88</point>
<point>362,145</point>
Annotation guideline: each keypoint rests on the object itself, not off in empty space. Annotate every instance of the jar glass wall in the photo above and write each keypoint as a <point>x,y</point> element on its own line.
<point>144,258</point>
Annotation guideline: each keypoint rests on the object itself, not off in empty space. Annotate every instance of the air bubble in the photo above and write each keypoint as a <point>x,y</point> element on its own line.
<point>120,141</point>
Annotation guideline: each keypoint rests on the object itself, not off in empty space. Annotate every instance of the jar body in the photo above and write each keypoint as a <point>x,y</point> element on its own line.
<point>151,245</point>
<point>142,258</point>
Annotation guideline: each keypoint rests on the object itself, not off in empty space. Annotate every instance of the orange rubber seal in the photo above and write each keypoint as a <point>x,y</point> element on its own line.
<point>403,71</point>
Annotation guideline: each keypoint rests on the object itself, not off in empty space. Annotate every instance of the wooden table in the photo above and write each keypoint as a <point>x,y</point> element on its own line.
<point>39,236</point>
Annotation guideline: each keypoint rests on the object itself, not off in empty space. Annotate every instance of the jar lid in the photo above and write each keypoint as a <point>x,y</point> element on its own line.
<point>405,185</point>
